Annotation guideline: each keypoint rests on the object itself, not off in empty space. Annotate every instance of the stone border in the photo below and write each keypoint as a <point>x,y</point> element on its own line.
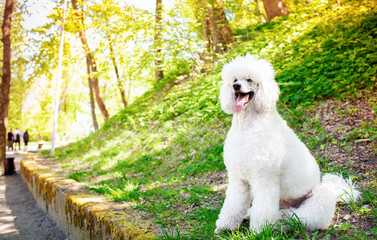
<point>80,213</point>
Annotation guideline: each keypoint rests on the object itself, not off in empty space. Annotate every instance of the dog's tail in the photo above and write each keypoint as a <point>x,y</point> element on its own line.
<point>344,189</point>
<point>317,211</point>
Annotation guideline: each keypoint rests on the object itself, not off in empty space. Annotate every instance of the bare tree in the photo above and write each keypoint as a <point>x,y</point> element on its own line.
<point>6,77</point>
<point>90,62</point>
<point>275,8</point>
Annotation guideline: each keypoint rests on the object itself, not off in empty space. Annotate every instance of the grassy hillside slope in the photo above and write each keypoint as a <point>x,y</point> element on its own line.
<point>164,152</point>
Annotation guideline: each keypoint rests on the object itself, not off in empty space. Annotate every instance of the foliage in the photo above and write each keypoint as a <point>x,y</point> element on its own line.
<point>130,30</point>
<point>319,60</point>
<point>162,150</point>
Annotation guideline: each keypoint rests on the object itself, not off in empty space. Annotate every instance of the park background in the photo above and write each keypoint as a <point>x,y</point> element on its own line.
<point>139,102</point>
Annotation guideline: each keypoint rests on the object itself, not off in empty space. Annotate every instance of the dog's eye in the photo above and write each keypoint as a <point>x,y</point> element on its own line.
<point>249,80</point>
<point>235,80</point>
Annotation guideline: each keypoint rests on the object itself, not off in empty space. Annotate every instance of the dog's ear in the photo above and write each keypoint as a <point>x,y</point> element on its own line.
<point>268,90</point>
<point>267,96</point>
<point>226,98</point>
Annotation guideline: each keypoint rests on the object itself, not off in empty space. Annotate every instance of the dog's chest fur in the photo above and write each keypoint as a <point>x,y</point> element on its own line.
<point>253,149</point>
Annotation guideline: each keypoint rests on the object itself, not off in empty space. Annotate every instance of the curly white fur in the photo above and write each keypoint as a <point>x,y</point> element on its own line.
<point>265,160</point>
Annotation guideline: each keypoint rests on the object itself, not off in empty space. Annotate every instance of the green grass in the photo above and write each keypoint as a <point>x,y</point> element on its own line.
<point>164,151</point>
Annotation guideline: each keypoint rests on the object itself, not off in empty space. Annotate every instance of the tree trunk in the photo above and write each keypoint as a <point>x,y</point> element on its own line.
<point>120,84</point>
<point>157,42</point>
<point>275,8</point>
<point>92,68</point>
<point>222,34</point>
<point>92,104</point>
<point>216,28</point>
<point>6,78</point>
<point>112,56</point>
<point>58,83</point>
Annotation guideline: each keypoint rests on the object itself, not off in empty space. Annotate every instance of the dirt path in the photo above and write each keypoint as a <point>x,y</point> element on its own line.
<point>20,216</point>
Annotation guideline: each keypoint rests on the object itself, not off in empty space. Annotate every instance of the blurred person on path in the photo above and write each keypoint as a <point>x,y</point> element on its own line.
<point>10,140</point>
<point>26,139</point>
<point>17,139</point>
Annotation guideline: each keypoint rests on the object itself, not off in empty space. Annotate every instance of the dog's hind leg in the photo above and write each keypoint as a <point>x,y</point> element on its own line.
<point>237,201</point>
<point>317,211</point>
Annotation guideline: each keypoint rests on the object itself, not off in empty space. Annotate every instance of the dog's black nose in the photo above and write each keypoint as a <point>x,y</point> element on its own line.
<point>236,86</point>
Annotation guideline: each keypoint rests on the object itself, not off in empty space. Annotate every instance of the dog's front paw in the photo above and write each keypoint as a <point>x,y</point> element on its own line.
<point>219,229</point>
<point>227,224</point>
<point>258,220</point>
<point>256,226</point>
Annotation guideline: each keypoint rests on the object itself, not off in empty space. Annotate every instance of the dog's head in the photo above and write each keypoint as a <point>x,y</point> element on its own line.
<point>248,82</point>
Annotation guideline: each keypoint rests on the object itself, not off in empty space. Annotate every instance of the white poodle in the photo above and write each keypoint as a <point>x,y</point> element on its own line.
<point>268,167</point>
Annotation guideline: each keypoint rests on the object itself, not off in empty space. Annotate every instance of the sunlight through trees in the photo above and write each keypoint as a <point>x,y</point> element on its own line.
<point>116,50</point>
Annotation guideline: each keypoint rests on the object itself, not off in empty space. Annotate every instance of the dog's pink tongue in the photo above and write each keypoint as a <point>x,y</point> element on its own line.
<point>240,102</point>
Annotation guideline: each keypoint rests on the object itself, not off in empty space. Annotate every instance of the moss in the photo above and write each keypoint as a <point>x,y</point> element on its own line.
<point>85,210</point>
